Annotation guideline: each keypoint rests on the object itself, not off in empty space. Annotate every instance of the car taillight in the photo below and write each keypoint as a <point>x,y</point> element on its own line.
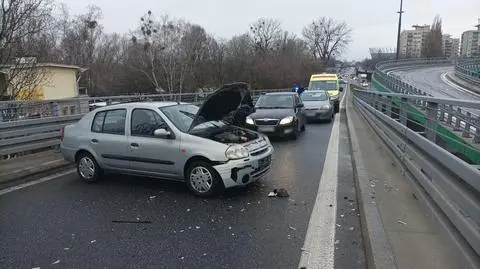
<point>62,133</point>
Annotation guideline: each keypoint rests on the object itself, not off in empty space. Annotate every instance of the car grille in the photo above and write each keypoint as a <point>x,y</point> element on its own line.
<point>266,122</point>
<point>256,153</point>
<point>263,163</point>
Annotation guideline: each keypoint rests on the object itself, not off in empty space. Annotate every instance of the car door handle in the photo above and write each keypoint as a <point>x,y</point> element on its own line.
<point>94,141</point>
<point>134,145</point>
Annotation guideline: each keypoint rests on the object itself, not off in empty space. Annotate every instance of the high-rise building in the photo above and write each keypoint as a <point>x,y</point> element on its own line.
<point>471,42</point>
<point>413,41</point>
<point>450,46</point>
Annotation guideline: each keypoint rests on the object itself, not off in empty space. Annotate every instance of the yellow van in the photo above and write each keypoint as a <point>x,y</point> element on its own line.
<point>329,83</point>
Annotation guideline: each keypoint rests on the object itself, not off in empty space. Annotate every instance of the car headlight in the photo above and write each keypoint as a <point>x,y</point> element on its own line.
<point>326,107</point>
<point>236,152</point>
<point>286,120</point>
<point>249,121</point>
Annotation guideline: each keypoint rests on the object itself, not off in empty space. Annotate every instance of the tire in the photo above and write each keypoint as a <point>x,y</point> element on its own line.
<point>303,127</point>
<point>194,178</point>
<point>87,168</point>
<point>295,133</point>
<point>331,118</point>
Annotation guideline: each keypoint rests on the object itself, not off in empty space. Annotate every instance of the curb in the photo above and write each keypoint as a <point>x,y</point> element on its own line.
<point>458,81</point>
<point>32,173</point>
<point>378,250</point>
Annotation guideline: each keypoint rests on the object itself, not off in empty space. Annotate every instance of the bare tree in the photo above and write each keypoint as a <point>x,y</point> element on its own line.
<point>266,34</point>
<point>20,22</point>
<point>327,38</point>
<point>433,45</point>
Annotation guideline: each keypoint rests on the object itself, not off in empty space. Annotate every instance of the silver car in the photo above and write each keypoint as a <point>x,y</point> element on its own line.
<point>170,140</point>
<point>318,105</point>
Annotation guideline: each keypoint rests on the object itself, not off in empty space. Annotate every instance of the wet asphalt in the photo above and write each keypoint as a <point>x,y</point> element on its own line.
<point>133,222</point>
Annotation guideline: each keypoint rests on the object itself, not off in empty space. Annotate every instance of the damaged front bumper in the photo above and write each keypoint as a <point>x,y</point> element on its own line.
<point>244,171</point>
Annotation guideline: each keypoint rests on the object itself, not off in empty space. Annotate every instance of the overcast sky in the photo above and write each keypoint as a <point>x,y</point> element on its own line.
<point>374,22</point>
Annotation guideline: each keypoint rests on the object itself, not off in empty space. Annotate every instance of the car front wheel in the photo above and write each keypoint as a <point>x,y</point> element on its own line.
<point>87,168</point>
<point>202,179</point>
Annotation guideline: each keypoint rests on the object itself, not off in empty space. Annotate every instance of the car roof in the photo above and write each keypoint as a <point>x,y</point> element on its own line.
<point>280,93</point>
<point>151,104</point>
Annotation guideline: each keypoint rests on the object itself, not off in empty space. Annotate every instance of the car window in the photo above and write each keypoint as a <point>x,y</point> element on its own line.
<point>110,122</point>
<point>97,124</point>
<point>145,121</point>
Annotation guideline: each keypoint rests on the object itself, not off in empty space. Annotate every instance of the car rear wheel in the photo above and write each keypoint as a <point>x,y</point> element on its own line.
<point>202,179</point>
<point>87,168</point>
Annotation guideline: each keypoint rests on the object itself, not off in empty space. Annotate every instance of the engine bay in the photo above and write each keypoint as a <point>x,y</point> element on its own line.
<point>234,134</point>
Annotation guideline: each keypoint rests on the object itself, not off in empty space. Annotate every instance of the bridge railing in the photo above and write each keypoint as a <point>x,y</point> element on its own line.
<point>32,126</point>
<point>452,184</point>
<point>468,69</point>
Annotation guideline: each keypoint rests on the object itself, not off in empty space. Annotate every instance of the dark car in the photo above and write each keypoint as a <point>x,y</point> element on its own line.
<point>278,114</point>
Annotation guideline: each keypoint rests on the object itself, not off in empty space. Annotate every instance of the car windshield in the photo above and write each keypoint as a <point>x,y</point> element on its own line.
<point>314,96</point>
<point>182,117</point>
<point>323,85</point>
<point>275,101</point>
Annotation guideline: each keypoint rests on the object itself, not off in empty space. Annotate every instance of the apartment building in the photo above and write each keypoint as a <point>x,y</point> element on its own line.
<point>471,42</point>
<point>412,41</point>
<point>450,46</point>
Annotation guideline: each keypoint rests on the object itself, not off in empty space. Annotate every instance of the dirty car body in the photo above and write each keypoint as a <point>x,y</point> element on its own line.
<point>170,140</point>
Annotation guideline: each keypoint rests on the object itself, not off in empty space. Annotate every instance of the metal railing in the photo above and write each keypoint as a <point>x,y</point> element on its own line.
<point>451,183</point>
<point>459,122</point>
<point>468,69</point>
<point>31,126</point>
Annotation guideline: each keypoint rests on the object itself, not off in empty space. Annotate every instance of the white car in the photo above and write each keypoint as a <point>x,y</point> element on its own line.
<point>171,140</point>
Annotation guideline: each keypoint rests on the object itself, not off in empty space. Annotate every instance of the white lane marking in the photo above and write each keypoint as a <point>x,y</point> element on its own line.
<point>319,246</point>
<point>342,103</point>
<point>444,78</point>
<point>31,183</point>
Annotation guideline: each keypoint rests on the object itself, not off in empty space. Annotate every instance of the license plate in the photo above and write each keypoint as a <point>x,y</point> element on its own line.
<point>266,129</point>
<point>264,163</point>
<point>311,113</point>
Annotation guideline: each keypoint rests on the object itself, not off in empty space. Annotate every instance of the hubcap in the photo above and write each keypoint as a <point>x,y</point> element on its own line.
<point>201,179</point>
<point>86,167</point>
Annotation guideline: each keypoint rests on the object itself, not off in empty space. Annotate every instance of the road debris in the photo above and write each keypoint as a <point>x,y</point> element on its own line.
<point>152,197</point>
<point>35,267</point>
<point>229,227</point>
<point>341,216</point>
<point>138,221</point>
<point>243,209</point>
<point>66,248</point>
<point>204,254</point>
<point>292,228</point>
<point>197,227</point>
<point>337,241</point>
<point>93,241</point>
<point>338,225</point>
<point>351,228</point>
<point>402,222</point>
<point>56,262</point>
<point>182,231</point>
<point>188,209</point>
<point>272,194</point>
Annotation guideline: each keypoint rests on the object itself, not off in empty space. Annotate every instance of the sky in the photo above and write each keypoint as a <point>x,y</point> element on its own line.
<point>374,22</point>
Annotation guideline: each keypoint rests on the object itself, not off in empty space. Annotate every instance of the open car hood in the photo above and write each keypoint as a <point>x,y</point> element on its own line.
<point>221,103</point>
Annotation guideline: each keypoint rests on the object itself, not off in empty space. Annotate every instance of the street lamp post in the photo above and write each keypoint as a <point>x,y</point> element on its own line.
<point>400,12</point>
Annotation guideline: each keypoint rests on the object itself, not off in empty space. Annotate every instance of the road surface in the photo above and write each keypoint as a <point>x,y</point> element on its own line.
<point>65,223</point>
<point>433,81</point>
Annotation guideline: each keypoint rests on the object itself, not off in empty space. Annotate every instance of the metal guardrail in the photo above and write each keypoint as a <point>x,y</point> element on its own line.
<point>459,121</point>
<point>464,69</point>
<point>451,183</point>
<point>37,132</point>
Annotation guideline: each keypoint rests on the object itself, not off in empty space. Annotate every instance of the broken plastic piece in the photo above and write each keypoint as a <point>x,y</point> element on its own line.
<point>292,228</point>
<point>402,222</point>
<point>272,194</point>
<point>93,241</point>
<point>56,262</point>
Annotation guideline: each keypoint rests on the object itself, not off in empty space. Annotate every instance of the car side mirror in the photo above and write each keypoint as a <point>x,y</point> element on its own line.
<point>163,133</point>
<point>341,89</point>
<point>300,105</point>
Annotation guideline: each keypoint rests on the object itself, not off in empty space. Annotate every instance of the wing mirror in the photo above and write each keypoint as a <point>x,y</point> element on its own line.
<point>300,105</point>
<point>163,133</point>
<point>341,89</point>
